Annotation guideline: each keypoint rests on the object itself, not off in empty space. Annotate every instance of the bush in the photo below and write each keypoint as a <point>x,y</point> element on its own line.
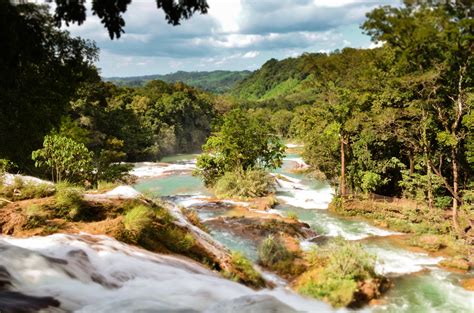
<point>335,271</point>
<point>244,184</point>
<point>244,271</point>
<point>138,219</point>
<point>69,201</point>
<point>193,218</point>
<point>272,251</point>
<point>64,158</point>
<point>273,255</point>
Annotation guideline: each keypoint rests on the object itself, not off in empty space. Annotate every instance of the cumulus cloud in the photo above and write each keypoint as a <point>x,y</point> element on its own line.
<point>235,34</point>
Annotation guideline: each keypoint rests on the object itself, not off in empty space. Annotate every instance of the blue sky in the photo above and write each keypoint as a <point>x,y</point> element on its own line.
<point>234,35</point>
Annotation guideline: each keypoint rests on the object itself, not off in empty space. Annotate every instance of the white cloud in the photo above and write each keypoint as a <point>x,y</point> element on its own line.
<point>235,34</point>
<point>251,54</point>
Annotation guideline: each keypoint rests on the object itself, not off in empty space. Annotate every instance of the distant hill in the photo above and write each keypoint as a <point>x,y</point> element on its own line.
<point>214,81</point>
<point>298,80</point>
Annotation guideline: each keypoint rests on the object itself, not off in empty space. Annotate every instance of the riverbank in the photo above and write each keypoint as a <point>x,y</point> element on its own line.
<point>426,230</point>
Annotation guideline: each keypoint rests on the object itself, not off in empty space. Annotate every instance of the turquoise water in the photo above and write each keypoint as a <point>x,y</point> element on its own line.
<point>181,184</point>
<point>432,291</point>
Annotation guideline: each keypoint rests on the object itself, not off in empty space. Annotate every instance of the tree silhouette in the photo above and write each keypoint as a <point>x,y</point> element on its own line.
<point>111,12</point>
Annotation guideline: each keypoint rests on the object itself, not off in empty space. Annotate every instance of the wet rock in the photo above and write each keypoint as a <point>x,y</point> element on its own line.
<point>458,263</point>
<point>254,228</point>
<point>431,243</point>
<point>468,284</point>
<point>16,302</point>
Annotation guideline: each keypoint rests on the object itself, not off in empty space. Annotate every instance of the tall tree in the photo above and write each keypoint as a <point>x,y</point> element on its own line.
<point>434,40</point>
<point>40,69</point>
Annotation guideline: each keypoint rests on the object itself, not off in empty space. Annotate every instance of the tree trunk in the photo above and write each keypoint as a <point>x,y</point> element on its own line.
<point>343,169</point>
<point>412,162</point>
<point>455,189</point>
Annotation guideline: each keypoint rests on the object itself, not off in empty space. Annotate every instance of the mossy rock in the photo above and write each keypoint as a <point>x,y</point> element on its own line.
<point>458,263</point>
<point>429,242</point>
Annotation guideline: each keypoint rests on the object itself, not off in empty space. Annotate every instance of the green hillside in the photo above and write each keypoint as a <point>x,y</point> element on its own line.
<point>214,81</point>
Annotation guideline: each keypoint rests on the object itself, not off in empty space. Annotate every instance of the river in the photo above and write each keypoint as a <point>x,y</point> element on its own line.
<point>98,274</point>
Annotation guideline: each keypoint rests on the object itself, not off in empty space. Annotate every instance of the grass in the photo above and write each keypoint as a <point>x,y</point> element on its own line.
<point>193,218</point>
<point>400,215</point>
<point>23,190</point>
<point>273,255</point>
<point>138,219</point>
<point>335,271</point>
<point>103,186</point>
<point>69,201</point>
<point>244,271</point>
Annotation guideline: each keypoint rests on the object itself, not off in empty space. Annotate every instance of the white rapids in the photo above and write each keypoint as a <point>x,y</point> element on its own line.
<point>88,273</point>
<point>293,192</point>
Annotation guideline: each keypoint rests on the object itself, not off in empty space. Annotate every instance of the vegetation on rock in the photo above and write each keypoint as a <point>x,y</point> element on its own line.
<point>341,273</point>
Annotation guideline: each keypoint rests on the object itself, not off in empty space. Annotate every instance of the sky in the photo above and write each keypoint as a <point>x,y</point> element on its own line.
<point>234,35</point>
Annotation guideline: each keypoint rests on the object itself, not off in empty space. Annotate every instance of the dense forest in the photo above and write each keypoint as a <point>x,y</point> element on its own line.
<point>213,81</point>
<point>396,120</point>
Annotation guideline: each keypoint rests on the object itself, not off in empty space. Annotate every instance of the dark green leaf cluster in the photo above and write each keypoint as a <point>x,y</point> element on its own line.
<point>243,142</point>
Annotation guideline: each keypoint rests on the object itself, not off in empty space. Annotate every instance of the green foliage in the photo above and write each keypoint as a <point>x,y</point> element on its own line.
<point>272,251</point>
<point>192,216</point>
<point>138,219</point>
<point>22,190</point>
<point>69,201</point>
<point>370,181</point>
<point>42,66</point>
<point>244,271</point>
<point>244,184</point>
<point>5,166</point>
<point>292,215</point>
<point>242,142</point>
<point>64,158</point>
<point>334,272</point>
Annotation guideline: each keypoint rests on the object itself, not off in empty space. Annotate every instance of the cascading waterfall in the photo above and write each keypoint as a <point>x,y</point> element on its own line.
<point>85,273</point>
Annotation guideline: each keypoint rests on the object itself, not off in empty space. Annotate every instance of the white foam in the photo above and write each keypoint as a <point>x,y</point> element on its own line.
<point>9,179</point>
<point>300,163</point>
<point>149,169</point>
<point>303,196</point>
<point>363,231</point>
<point>124,192</point>
<point>397,261</point>
<point>143,280</point>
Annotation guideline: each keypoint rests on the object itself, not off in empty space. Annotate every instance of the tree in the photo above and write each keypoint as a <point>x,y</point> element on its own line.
<point>433,41</point>
<point>242,142</point>
<point>110,12</point>
<point>64,158</point>
<point>40,69</point>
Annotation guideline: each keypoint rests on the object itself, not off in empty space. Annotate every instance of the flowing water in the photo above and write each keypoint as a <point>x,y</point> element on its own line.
<point>419,285</point>
<point>98,274</point>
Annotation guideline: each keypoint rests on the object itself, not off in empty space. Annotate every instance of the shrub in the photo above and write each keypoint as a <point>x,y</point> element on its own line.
<point>244,271</point>
<point>64,158</point>
<point>69,201</point>
<point>272,251</point>
<point>244,184</point>
<point>335,271</point>
<point>273,255</point>
<point>193,218</point>
<point>138,219</point>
